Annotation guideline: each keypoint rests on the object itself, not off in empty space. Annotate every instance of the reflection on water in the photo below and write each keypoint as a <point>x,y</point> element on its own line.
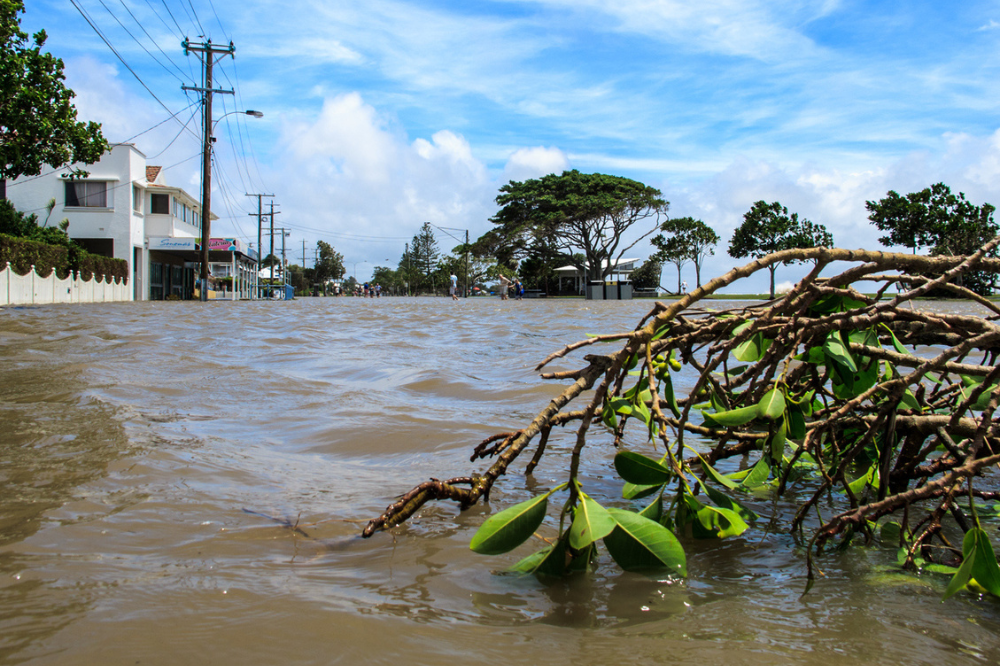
<point>185,483</point>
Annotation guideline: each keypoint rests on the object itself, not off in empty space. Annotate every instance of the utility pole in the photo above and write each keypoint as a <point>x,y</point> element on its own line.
<point>303,254</point>
<point>407,269</point>
<point>271,253</point>
<point>468,287</point>
<point>260,246</point>
<point>208,58</point>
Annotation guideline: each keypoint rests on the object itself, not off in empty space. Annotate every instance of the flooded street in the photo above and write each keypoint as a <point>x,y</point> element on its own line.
<point>185,483</point>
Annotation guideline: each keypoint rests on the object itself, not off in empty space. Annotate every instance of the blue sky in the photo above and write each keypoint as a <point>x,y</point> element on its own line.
<point>382,115</point>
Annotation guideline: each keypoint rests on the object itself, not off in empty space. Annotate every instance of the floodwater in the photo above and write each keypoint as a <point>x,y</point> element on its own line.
<point>156,457</point>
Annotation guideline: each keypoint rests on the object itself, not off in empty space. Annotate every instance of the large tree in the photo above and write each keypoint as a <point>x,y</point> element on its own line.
<point>575,213</point>
<point>38,125</point>
<point>935,218</point>
<point>424,253</point>
<point>673,250</point>
<point>647,276</point>
<point>691,238</point>
<point>330,265</point>
<point>768,227</point>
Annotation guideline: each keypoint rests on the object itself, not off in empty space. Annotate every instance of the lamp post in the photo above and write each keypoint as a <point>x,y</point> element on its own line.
<point>206,201</point>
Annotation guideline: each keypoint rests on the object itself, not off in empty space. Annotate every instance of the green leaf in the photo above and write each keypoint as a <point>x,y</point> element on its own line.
<point>609,417</point>
<point>715,476</point>
<point>660,333</point>
<point>796,423</point>
<point>909,401</point>
<point>984,570</point>
<point>620,406</point>
<point>889,534</point>
<point>531,562</point>
<point>642,411</point>
<point>511,527</point>
<point>776,441</point>
<point>733,417</point>
<point>962,576</point>
<point>814,355</point>
<point>772,405</point>
<point>759,474</point>
<point>897,345</point>
<point>752,349</point>
<point>715,522</point>
<point>668,395</point>
<point>726,502</point>
<point>638,491</point>
<point>554,562</point>
<point>837,350</point>
<point>655,509</point>
<point>591,522</point>
<point>869,477</point>
<point>638,544</point>
<point>638,469</point>
<point>583,558</point>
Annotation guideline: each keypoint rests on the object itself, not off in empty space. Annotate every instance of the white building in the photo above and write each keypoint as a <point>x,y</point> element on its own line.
<point>576,279</point>
<point>124,209</point>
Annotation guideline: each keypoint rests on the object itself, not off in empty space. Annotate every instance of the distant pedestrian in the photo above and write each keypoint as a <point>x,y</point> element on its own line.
<point>504,287</point>
<point>684,286</point>
<point>454,287</point>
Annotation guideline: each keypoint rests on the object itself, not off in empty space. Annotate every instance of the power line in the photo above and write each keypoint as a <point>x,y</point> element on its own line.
<point>197,20</point>
<point>179,132</point>
<point>239,98</point>
<point>155,43</point>
<point>165,24</point>
<point>217,19</point>
<point>138,78</point>
<point>136,40</point>
<point>180,30</point>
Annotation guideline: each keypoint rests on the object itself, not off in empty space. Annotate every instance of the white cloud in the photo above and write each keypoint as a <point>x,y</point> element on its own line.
<point>534,163</point>
<point>350,178</point>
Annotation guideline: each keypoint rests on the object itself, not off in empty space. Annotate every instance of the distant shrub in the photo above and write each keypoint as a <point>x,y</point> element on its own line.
<point>23,254</point>
<point>24,244</point>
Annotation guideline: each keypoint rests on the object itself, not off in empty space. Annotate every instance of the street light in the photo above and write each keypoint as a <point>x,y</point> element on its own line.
<point>206,188</point>
<point>249,112</point>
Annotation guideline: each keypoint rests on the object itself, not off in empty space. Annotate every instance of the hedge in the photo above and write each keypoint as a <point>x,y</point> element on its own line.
<point>23,254</point>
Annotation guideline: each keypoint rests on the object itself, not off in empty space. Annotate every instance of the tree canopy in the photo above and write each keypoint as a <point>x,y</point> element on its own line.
<point>937,219</point>
<point>330,265</point>
<point>38,124</point>
<point>692,239</point>
<point>769,228</point>
<point>647,276</point>
<point>574,213</point>
<point>424,252</point>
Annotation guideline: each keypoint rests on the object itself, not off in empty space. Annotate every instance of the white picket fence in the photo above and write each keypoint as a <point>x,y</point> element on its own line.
<point>32,289</point>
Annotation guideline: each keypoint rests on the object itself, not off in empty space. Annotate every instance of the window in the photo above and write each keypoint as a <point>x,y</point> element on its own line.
<point>87,194</point>
<point>159,204</point>
<point>136,198</point>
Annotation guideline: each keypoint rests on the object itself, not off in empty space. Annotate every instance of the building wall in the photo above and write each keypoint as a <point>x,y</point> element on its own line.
<point>121,220</point>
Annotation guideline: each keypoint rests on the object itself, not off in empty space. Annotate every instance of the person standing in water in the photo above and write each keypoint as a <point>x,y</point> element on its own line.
<point>504,287</point>
<point>454,287</point>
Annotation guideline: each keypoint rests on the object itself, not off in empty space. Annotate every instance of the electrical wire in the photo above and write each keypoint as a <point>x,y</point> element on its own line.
<point>179,132</point>
<point>136,40</point>
<point>180,30</point>
<point>143,28</point>
<point>86,16</point>
<point>239,96</point>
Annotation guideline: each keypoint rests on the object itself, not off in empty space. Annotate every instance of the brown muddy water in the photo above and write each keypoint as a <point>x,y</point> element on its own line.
<point>152,451</point>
